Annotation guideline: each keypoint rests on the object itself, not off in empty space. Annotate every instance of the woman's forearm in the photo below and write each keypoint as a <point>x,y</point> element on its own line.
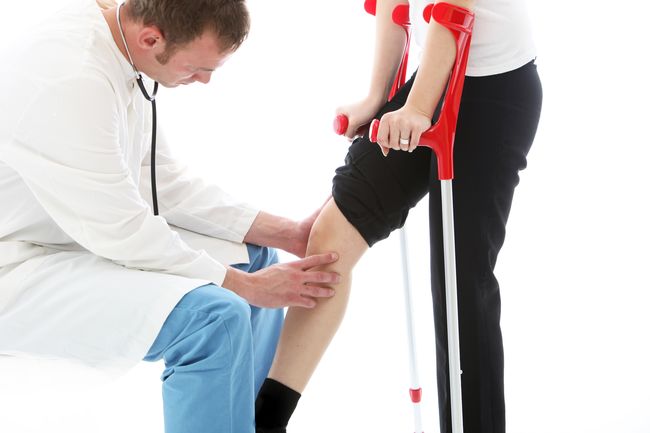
<point>439,54</point>
<point>390,39</point>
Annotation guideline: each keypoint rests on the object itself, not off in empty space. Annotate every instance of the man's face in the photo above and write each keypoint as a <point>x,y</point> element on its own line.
<point>189,63</point>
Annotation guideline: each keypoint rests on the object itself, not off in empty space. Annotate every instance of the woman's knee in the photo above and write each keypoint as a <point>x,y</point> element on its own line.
<point>332,232</point>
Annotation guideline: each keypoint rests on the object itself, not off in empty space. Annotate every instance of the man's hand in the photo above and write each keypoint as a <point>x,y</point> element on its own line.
<point>278,232</point>
<point>303,229</point>
<point>285,284</point>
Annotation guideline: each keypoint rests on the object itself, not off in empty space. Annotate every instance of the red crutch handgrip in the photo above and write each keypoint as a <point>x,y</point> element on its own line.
<point>370,6</point>
<point>440,137</point>
<point>341,124</point>
<point>400,17</point>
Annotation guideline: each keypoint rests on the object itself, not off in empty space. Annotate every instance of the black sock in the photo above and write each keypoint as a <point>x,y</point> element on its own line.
<point>274,406</point>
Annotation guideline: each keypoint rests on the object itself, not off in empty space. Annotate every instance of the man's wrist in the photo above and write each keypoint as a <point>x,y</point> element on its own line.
<point>291,231</point>
<point>238,282</point>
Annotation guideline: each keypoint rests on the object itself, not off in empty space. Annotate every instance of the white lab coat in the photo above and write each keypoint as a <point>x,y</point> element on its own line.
<point>87,272</point>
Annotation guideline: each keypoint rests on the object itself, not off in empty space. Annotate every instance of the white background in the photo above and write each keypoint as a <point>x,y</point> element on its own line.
<point>573,271</point>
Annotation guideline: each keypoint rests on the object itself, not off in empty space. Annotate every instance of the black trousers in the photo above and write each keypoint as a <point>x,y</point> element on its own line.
<point>496,126</point>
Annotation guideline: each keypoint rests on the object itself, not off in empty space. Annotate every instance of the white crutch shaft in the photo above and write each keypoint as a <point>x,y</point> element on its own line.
<point>415,391</point>
<point>451,293</point>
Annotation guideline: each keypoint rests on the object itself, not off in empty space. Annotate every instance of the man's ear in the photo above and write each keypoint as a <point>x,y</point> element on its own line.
<point>150,37</point>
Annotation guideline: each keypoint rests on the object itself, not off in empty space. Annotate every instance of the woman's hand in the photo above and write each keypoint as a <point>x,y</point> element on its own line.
<point>359,114</point>
<point>401,129</point>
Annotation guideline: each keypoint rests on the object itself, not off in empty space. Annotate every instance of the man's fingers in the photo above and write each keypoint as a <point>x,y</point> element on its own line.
<point>321,277</point>
<point>317,292</point>
<point>302,301</point>
<point>309,295</point>
<point>317,260</point>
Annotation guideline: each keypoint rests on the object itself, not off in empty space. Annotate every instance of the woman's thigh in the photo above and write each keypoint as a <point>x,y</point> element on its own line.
<point>375,193</point>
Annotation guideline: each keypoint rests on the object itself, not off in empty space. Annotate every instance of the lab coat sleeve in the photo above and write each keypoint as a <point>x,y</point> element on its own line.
<point>67,150</point>
<point>186,201</point>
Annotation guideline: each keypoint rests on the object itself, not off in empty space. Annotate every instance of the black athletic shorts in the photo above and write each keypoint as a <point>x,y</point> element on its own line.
<point>374,192</point>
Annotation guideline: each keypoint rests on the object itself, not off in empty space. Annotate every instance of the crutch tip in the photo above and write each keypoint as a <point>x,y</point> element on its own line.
<point>416,395</point>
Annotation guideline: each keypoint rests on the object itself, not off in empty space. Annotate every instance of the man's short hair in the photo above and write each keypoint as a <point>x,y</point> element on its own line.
<point>182,21</point>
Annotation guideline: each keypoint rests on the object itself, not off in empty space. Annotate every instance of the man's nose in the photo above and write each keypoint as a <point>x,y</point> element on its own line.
<point>203,77</point>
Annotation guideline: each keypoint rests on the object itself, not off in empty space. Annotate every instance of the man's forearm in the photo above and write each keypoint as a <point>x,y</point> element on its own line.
<point>273,231</point>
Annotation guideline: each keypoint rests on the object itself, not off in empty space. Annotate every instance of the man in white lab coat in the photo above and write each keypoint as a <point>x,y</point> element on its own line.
<point>87,271</point>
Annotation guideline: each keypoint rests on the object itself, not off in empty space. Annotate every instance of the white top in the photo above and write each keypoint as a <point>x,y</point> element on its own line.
<point>501,40</point>
<point>76,225</point>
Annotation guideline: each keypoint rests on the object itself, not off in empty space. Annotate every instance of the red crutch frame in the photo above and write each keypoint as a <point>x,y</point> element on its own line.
<point>440,137</point>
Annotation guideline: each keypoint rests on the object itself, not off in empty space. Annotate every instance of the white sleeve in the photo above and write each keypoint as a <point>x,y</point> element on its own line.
<point>186,201</point>
<point>67,150</point>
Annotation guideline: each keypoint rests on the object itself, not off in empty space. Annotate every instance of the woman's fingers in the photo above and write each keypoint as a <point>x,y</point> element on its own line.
<point>401,130</point>
<point>382,132</point>
<point>394,132</point>
<point>415,140</point>
<point>404,138</point>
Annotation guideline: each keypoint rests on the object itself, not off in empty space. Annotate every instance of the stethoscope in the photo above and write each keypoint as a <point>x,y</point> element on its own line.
<point>151,98</point>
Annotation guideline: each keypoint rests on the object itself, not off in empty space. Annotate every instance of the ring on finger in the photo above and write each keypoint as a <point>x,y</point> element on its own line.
<point>404,141</point>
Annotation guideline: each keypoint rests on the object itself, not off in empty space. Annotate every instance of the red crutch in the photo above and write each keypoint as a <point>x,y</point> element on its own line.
<point>440,138</point>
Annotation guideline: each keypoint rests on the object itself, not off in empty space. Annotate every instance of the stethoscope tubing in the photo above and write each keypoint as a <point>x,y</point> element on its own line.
<point>154,128</point>
<point>154,117</point>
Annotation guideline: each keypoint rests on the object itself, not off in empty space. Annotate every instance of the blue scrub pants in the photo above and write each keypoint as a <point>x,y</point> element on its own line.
<point>217,350</point>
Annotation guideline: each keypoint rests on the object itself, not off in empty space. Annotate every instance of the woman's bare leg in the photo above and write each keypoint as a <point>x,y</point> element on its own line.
<point>308,332</point>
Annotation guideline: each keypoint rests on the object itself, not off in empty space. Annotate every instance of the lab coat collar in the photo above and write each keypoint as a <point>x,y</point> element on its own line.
<point>130,85</point>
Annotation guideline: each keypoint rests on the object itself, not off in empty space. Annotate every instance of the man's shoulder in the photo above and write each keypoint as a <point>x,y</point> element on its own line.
<point>70,42</point>
<point>61,64</point>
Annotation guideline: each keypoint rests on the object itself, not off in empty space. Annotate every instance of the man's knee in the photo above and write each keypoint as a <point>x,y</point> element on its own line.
<point>217,302</point>
<point>231,307</point>
<point>261,257</point>
<point>197,324</point>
